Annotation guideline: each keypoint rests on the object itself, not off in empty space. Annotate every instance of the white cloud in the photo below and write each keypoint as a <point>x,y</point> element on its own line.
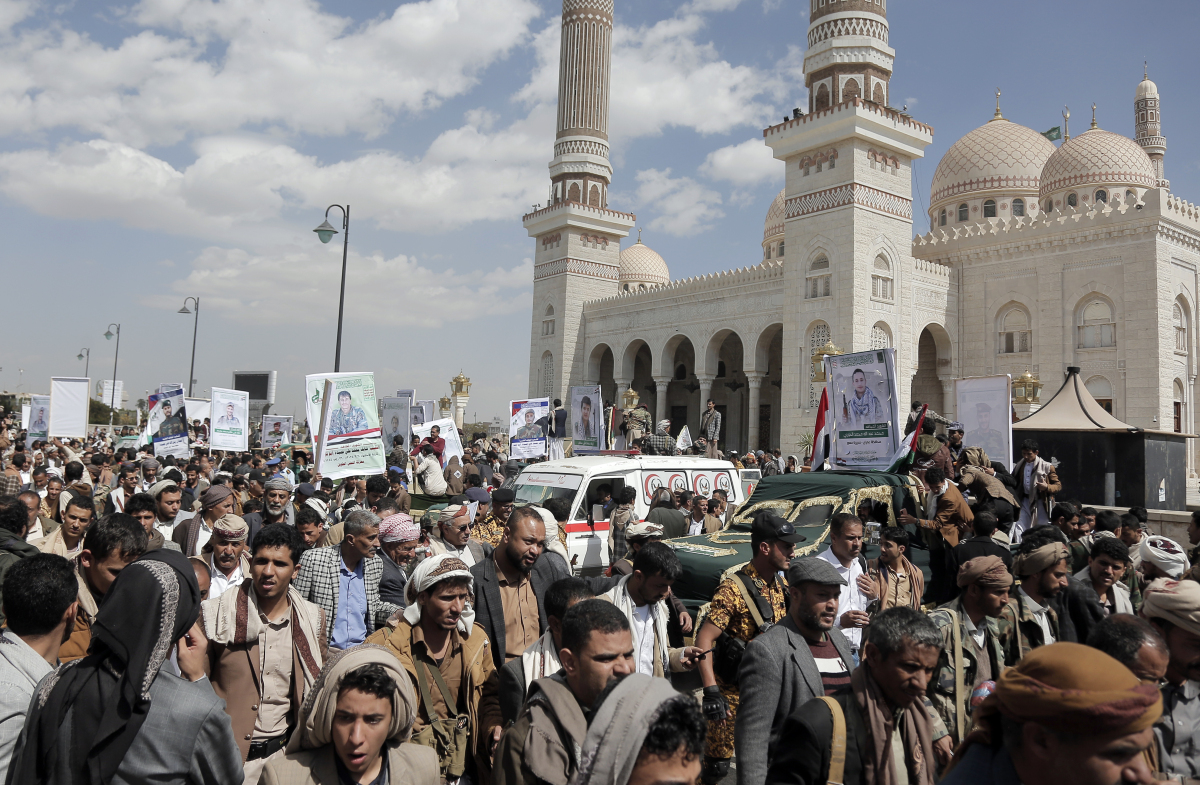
<point>284,64</point>
<point>745,164</point>
<point>683,206</point>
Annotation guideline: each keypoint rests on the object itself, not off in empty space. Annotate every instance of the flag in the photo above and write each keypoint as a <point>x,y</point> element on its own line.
<point>904,456</point>
<point>684,439</point>
<point>821,436</point>
<point>1054,134</point>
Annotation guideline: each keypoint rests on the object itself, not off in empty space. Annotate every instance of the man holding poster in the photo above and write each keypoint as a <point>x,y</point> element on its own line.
<point>527,437</point>
<point>166,425</point>
<point>232,410</point>
<point>39,429</point>
<point>862,397</point>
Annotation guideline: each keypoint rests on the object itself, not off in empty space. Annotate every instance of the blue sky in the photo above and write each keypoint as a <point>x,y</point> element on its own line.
<point>159,149</point>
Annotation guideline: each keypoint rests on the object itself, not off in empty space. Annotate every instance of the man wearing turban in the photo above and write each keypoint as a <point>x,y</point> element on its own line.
<point>1066,714</point>
<point>1041,567</point>
<point>1174,610</point>
<point>973,644</point>
<point>661,440</point>
<point>215,503</point>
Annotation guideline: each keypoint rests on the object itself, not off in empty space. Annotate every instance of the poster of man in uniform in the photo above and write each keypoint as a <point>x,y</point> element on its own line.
<point>864,407</point>
<point>350,440</point>
<point>166,424</point>
<point>314,386</point>
<point>982,403</point>
<point>397,413</point>
<point>586,410</point>
<point>39,420</point>
<point>276,430</point>
<point>232,410</point>
<point>527,437</point>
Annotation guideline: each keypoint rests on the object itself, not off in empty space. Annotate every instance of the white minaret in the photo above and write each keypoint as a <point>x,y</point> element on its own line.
<point>578,239</point>
<point>1147,122</point>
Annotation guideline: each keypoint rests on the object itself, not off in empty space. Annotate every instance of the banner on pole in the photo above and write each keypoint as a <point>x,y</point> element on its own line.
<point>69,397</point>
<point>230,429</point>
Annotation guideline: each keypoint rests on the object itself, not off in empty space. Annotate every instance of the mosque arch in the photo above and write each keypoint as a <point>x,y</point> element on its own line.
<point>573,193</point>
<point>713,353</point>
<point>676,350</point>
<point>934,367</point>
<point>822,99</point>
<point>851,90</point>
<point>629,359</point>
<point>762,348</point>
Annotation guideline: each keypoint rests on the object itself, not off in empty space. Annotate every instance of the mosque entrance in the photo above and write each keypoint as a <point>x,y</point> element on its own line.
<point>926,387</point>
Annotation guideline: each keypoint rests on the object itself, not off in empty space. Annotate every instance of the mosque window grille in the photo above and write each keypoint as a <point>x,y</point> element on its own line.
<point>819,336</point>
<point>1016,336</point>
<point>1097,328</point>
<point>548,375</point>
<point>989,208</point>
<point>942,217</point>
<point>882,286</point>
<point>820,282</point>
<point>880,339</point>
<point>548,322</point>
<point>780,252</point>
<point>964,212</point>
<point>1101,196</point>
<point>1018,208</point>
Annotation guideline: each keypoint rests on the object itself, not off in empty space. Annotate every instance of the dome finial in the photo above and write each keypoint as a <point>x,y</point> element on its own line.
<point>639,242</point>
<point>1145,70</point>
<point>1094,116</point>
<point>1066,124</point>
<point>997,116</point>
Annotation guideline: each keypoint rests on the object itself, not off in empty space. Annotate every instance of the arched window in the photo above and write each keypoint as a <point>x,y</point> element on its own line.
<point>573,193</point>
<point>680,372</point>
<point>594,196</point>
<point>1101,389</point>
<point>1015,335</point>
<point>880,338</point>
<point>780,254</point>
<point>1097,328</point>
<point>819,280</point>
<point>1181,336</point>
<point>1177,405</point>
<point>547,375</point>
<point>1018,208</point>
<point>819,336</point>
<point>877,94</point>
<point>942,217</point>
<point>548,322</point>
<point>1049,205</point>
<point>881,280</point>
<point>989,208</point>
<point>1130,197</point>
<point>822,101</point>
<point>851,90</point>
<point>1102,196</point>
<point>1072,200</point>
<point>626,287</point>
<point>964,212</point>
<point>769,249</point>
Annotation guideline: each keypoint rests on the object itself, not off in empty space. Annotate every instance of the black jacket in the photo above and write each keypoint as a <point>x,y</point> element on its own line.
<point>973,548</point>
<point>393,580</point>
<point>804,760</point>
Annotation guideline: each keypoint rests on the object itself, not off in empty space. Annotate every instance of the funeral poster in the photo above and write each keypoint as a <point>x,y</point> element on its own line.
<point>527,427</point>
<point>396,412</point>
<point>166,424</point>
<point>229,429</point>
<point>276,430</point>
<point>864,407</point>
<point>586,410</point>
<point>982,403</point>
<point>39,420</point>
<point>349,442</point>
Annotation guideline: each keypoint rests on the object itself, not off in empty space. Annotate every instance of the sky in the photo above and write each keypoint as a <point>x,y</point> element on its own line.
<point>157,150</point>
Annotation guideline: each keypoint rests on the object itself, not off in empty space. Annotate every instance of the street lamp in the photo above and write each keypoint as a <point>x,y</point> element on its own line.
<point>192,370</point>
<point>326,232</point>
<point>85,354</point>
<point>112,406</point>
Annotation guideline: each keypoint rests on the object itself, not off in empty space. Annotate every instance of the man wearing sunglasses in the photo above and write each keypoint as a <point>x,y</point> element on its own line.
<point>454,526</point>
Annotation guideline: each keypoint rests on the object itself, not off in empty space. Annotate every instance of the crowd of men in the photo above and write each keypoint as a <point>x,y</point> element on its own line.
<point>238,618</point>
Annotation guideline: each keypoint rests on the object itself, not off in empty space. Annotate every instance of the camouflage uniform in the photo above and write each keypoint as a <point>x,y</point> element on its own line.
<point>1019,629</point>
<point>1000,645</point>
<point>490,531</point>
<point>729,613</point>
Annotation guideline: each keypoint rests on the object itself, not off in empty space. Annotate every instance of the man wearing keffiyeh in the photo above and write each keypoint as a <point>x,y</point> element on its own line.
<point>661,439</point>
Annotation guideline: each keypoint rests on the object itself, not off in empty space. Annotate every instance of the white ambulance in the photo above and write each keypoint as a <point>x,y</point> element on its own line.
<point>580,479</point>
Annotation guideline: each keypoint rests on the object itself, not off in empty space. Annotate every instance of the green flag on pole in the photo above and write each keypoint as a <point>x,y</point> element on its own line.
<point>1054,134</point>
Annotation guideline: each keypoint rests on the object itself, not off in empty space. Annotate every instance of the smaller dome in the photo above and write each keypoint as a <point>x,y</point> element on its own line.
<point>773,226</point>
<point>1097,157</point>
<point>1146,89</point>
<point>640,265</point>
<point>999,156</point>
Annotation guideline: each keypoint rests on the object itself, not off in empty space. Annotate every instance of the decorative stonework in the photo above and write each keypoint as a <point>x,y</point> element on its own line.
<point>581,147</point>
<point>858,26</point>
<point>843,195</point>
<point>607,272</point>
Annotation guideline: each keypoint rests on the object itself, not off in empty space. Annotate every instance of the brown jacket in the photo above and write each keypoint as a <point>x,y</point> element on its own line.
<point>981,483</point>
<point>408,764</point>
<point>951,517</point>
<point>929,453</point>
<point>77,645</point>
<point>236,677</point>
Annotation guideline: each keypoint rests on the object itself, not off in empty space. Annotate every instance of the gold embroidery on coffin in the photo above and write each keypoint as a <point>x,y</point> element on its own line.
<point>781,507</point>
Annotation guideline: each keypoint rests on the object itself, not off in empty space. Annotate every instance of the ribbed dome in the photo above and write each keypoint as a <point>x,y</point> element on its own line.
<point>773,226</point>
<point>997,156</point>
<point>1146,89</point>
<point>640,265</point>
<point>1097,157</point>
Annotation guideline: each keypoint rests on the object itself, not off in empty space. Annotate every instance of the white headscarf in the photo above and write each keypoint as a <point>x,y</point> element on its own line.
<point>1165,554</point>
<point>428,574</point>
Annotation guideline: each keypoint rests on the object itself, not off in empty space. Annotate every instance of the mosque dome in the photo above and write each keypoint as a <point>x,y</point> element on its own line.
<point>1096,162</point>
<point>773,228</point>
<point>642,268</point>
<point>1146,89</point>
<point>999,158</point>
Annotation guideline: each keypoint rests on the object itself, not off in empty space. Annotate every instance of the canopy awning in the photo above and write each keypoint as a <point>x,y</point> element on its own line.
<point>1073,409</point>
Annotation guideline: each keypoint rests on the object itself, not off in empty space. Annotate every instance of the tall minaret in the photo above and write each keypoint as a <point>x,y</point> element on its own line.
<point>848,54</point>
<point>1147,122</point>
<point>577,248</point>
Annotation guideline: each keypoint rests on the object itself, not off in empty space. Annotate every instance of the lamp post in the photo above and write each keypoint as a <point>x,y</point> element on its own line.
<point>326,232</point>
<point>85,354</point>
<point>112,406</point>
<point>195,328</point>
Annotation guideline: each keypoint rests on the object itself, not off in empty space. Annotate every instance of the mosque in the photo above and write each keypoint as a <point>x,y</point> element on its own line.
<point>1037,257</point>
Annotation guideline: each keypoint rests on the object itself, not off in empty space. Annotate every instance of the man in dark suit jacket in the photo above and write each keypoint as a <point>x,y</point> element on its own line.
<point>981,544</point>
<point>779,673</point>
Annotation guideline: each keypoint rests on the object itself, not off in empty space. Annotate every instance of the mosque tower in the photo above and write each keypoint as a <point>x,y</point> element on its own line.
<point>848,207</point>
<point>577,239</point>
<point>1147,121</point>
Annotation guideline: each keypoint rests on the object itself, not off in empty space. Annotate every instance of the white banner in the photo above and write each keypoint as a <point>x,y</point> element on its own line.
<point>982,403</point>
<point>105,392</point>
<point>527,424</point>
<point>230,429</point>
<point>276,430</point>
<point>25,416</point>
<point>684,439</point>
<point>865,408</point>
<point>586,416</point>
<point>448,433</point>
<point>69,397</point>
<point>395,421</point>
<point>39,420</point>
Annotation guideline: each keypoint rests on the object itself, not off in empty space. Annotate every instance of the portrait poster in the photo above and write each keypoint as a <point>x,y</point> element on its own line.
<point>587,410</point>
<point>448,432</point>
<point>416,416</point>
<point>427,407</point>
<point>395,421</point>
<point>865,408</point>
<point>69,400</point>
<point>166,424</point>
<point>276,430</point>
<point>314,387</point>
<point>983,406</point>
<point>349,441</point>
<point>527,428</point>
<point>230,428</point>
<point>39,420</point>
